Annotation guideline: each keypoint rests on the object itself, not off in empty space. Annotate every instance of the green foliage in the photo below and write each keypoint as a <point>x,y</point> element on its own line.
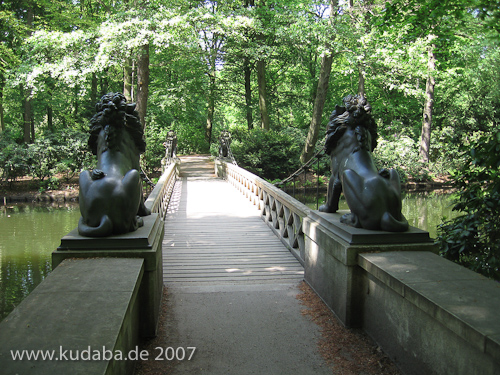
<point>63,152</point>
<point>400,153</point>
<point>42,156</point>
<point>73,154</point>
<point>473,239</point>
<point>74,52</point>
<point>52,183</point>
<point>271,155</point>
<point>13,158</point>
<point>155,151</point>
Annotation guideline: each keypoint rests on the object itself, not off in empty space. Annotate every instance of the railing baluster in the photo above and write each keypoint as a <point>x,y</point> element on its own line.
<point>159,198</point>
<point>245,182</point>
<point>305,183</point>
<point>317,186</point>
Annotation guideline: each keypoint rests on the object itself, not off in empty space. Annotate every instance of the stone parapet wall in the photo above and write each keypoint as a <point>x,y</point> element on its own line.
<point>85,309</point>
<point>431,315</point>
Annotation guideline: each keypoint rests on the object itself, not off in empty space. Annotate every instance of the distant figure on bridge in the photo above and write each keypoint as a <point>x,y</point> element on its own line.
<point>171,144</point>
<point>374,197</point>
<point>170,149</point>
<point>224,143</point>
<point>111,198</point>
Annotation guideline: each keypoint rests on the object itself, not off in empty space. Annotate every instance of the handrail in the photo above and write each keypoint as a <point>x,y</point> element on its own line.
<point>318,155</point>
<point>159,198</point>
<point>307,164</point>
<point>283,213</point>
<point>303,169</point>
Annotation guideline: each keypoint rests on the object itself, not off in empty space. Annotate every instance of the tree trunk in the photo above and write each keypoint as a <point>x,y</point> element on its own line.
<point>425,138</point>
<point>103,82</point>
<point>50,113</point>
<point>248,93</point>
<point>211,104</point>
<point>76,106</point>
<point>210,115</point>
<point>27,136</point>
<point>50,122</point>
<point>26,116</point>
<point>32,128</point>
<point>361,81</point>
<point>93,90</point>
<point>127,80</point>
<point>261,79</point>
<point>143,83</point>
<point>2,85</point>
<point>319,104</point>
<point>319,101</point>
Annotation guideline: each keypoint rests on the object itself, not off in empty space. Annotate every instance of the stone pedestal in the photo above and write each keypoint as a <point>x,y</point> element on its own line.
<point>145,243</point>
<point>331,259</point>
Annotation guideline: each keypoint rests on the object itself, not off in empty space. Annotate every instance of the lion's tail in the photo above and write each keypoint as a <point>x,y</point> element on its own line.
<point>104,229</point>
<point>391,224</point>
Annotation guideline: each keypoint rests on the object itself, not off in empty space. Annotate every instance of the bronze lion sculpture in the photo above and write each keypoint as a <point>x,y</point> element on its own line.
<point>111,198</point>
<point>374,197</point>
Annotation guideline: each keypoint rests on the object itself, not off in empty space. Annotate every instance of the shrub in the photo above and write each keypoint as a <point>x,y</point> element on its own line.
<point>13,161</point>
<point>43,157</point>
<point>473,239</point>
<point>271,155</point>
<point>73,152</point>
<point>155,150</point>
<point>400,153</point>
<point>62,152</point>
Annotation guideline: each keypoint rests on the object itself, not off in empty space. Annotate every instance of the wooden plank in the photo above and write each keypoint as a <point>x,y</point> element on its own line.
<point>213,234</point>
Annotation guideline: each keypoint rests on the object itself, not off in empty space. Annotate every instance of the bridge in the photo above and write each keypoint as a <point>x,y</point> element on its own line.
<point>231,283</point>
<point>231,249</point>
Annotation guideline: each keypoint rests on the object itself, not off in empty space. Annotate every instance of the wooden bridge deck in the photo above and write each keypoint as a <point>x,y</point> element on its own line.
<point>214,235</point>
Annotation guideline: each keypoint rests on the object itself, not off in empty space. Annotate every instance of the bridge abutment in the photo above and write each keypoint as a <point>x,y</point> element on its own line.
<point>331,259</point>
<point>143,243</point>
<point>428,314</point>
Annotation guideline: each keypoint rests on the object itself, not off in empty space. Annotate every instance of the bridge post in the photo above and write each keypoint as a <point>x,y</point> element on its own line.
<point>331,259</point>
<point>143,243</point>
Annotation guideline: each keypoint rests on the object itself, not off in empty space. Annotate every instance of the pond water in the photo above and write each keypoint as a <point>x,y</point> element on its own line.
<point>28,235</point>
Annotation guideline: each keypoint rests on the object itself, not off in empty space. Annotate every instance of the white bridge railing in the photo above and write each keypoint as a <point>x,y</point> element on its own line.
<point>159,198</point>
<point>283,213</point>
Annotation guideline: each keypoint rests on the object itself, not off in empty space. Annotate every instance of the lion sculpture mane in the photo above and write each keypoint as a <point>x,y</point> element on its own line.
<point>111,198</point>
<point>374,197</point>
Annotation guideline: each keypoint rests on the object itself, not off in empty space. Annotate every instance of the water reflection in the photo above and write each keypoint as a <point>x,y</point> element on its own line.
<point>427,210</point>
<point>28,235</point>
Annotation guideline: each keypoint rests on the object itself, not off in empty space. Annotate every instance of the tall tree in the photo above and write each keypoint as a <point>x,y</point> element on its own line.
<point>26,93</point>
<point>264,15</point>
<point>2,121</point>
<point>247,71</point>
<point>261,81</point>
<point>321,91</point>
<point>143,82</point>
<point>128,79</point>
<point>248,92</point>
<point>213,43</point>
<point>440,22</point>
<point>425,137</point>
